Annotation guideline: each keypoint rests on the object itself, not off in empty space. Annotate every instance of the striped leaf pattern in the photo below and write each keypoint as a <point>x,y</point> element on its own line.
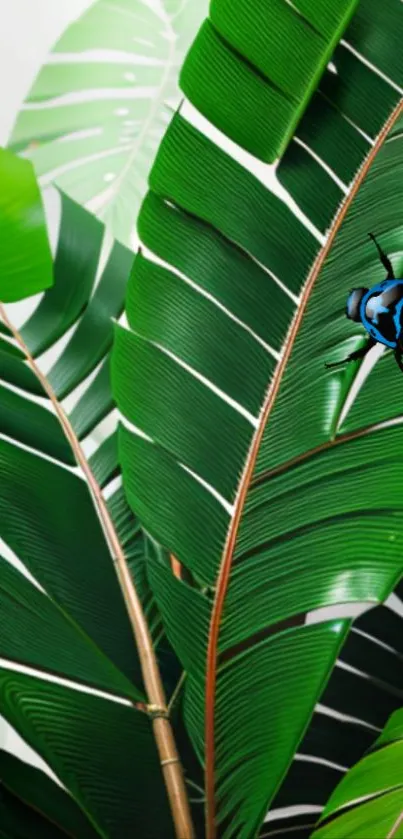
<point>259,470</point>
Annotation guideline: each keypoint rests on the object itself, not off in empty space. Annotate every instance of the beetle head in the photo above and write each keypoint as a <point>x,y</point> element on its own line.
<point>353,303</point>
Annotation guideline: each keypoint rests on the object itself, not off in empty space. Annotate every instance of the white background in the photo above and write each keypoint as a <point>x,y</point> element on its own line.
<point>28,30</point>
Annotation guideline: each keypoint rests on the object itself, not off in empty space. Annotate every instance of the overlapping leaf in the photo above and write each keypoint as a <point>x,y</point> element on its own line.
<point>102,751</point>
<point>251,60</point>
<point>315,531</point>
<point>368,802</point>
<point>73,624</point>
<point>33,805</point>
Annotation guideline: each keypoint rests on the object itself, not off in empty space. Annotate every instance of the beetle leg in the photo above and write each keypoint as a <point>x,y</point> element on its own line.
<point>384,259</point>
<point>399,352</point>
<point>354,356</point>
<point>399,358</point>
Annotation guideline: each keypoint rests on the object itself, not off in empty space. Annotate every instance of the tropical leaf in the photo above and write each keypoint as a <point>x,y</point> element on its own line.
<point>102,751</point>
<point>255,466</point>
<point>364,689</point>
<point>285,48</point>
<point>81,704</point>
<point>368,802</point>
<point>26,262</point>
<point>33,805</point>
<point>96,112</point>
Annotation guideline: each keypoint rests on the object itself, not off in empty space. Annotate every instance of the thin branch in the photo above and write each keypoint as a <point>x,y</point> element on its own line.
<point>169,758</point>
<point>195,786</point>
<point>226,562</point>
<point>177,691</point>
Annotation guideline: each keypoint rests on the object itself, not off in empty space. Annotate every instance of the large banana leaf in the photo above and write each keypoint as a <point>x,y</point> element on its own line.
<point>78,704</point>
<point>277,492</point>
<point>96,112</point>
<point>368,803</point>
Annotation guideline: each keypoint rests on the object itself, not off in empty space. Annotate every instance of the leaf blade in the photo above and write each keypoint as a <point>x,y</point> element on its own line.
<point>25,252</point>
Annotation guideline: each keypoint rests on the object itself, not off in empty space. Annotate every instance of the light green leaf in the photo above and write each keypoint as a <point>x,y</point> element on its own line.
<point>98,108</point>
<point>26,261</point>
<point>368,804</point>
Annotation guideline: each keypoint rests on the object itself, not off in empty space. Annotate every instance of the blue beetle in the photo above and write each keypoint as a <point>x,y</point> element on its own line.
<point>380,310</point>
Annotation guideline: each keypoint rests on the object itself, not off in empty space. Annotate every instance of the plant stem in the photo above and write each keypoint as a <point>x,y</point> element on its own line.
<point>177,691</point>
<point>169,758</point>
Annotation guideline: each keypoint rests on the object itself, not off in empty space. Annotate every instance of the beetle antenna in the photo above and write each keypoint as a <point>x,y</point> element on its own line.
<point>383,257</point>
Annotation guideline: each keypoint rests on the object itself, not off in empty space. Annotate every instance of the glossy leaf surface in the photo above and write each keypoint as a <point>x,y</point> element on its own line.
<point>368,802</point>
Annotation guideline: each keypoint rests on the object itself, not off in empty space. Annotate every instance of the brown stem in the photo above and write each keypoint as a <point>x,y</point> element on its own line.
<point>169,758</point>
<point>226,562</point>
<point>177,691</point>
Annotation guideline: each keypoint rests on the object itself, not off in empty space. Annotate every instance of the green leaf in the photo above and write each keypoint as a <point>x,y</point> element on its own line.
<point>266,485</point>
<point>22,822</point>
<point>251,61</point>
<point>92,338</point>
<point>26,261</point>
<point>363,690</point>
<point>102,751</point>
<point>221,454</point>
<point>51,638</point>
<point>138,549</point>
<point>15,371</point>
<point>77,298</point>
<point>76,264</point>
<point>368,802</point>
<point>187,160</point>
<point>29,797</point>
<point>98,108</point>
<point>33,425</point>
<point>159,305</point>
<point>95,403</point>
